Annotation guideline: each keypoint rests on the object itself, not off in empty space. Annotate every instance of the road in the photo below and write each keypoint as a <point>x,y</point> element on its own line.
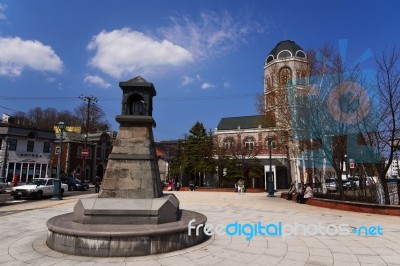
<point>304,240</point>
<point>7,201</point>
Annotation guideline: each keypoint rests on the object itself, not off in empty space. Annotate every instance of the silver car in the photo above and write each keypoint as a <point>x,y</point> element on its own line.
<point>331,184</point>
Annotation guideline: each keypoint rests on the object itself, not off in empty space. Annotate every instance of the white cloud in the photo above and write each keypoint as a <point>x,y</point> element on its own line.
<point>126,52</point>
<point>96,81</point>
<point>2,9</point>
<point>51,79</point>
<point>189,80</point>
<point>17,54</point>
<point>226,84</point>
<point>207,85</point>
<point>212,34</point>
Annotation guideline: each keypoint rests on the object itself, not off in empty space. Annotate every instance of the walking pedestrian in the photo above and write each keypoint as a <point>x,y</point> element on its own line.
<point>240,186</point>
<point>97,184</point>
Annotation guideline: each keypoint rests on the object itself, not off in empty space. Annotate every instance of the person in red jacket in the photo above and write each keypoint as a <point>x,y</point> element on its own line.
<point>15,180</point>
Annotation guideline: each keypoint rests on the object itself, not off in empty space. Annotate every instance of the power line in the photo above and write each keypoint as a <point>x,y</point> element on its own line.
<point>181,98</point>
<point>91,100</point>
<point>8,108</point>
<point>31,98</point>
<point>208,97</point>
<point>205,97</point>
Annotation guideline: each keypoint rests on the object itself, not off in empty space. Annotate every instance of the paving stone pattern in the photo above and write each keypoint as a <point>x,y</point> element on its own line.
<point>23,235</point>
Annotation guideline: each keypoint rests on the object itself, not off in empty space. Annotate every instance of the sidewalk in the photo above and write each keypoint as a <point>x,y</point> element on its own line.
<point>23,235</point>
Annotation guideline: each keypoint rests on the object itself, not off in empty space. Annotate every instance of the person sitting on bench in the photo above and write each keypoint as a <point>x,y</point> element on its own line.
<point>308,193</point>
<point>292,190</point>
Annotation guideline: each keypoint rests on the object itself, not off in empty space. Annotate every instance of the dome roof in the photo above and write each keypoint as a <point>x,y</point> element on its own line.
<point>286,49</point>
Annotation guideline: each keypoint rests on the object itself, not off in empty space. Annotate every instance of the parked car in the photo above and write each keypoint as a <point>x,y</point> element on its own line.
<point>37,188</point>
<point>370,180</point>
<point>348,183</point>
<point>75,184</point>
<point>354,181</point>
<point>331,184</point>
<point>357,180</point>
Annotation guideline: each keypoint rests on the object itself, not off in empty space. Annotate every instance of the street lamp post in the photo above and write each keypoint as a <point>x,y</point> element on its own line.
<point>83,172</point>
<point>346,165</point>
<point>57,182</point>
<point>271,189</point>
<point>4,172</point>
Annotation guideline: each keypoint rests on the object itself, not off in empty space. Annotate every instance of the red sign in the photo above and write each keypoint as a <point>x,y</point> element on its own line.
<point>352,164</point>
<point>85,153</point>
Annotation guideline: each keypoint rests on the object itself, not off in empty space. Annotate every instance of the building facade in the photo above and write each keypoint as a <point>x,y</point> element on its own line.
<point>99,146</point>
<point>250,138</point>
<point>267,137</point>
<point>26,152</point>
<point>102,143</point>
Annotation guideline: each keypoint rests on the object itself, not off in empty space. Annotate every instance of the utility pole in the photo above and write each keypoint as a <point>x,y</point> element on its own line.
<point>90,100</point>
<point>3,177</point>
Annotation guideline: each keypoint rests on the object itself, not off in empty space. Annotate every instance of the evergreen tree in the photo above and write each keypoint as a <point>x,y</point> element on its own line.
<point>177,160</point>
<point>198,159</point>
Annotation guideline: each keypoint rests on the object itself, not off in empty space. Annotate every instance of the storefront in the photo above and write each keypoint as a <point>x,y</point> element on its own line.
<point>27,170</point>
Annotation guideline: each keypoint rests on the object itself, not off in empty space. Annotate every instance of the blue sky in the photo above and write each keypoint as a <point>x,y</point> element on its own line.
<point>205,58</point>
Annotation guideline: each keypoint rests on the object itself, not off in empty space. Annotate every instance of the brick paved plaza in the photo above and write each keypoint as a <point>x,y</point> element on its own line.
<point>23,235</point>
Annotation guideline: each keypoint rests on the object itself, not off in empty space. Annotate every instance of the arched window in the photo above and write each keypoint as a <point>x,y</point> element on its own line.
<point>273,143</point>
<point>229,143</point>
<point>284,54</point>
<point>301,54</point>
<point>136,105</point>
<point>270,58</point>
<point>249,143</point>
<point>285,76</point>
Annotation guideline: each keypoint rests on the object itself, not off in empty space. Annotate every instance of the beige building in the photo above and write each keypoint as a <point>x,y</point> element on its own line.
<point>267,137</point>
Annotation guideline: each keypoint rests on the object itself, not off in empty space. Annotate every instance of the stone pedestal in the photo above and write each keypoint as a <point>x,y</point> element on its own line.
<point>127,211</point>
<point>130,216</point>
<point>104,240</point>
<point>132,168</point>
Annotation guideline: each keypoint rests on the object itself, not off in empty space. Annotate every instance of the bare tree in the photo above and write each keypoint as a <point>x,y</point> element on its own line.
<point>313,106</point>
<point>20,118</point>
<point>386,138</point>
<point>222,160</point>
<point>68,118</point>
<point>334,109</point>
<point>96,117</point>
<point>49,117</point>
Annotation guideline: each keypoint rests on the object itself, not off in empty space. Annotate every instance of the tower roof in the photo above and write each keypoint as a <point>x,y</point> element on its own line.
<point>286,49</point>
<point>138,82</point>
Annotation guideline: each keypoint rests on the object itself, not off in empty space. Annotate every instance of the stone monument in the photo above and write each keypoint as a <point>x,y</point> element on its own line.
<point>131,216</point>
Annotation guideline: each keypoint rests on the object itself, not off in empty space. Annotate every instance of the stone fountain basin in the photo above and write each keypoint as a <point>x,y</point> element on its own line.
<point>123,240</point>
